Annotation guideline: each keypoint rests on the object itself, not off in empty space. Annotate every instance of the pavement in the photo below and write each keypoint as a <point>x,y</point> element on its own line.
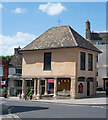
<point>99,99</point>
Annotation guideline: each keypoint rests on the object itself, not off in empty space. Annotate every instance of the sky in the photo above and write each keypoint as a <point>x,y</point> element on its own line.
<point>22,22</point>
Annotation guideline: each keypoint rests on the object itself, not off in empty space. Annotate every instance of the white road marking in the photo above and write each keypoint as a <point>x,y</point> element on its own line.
<point>14,116</point>
<point>103,107</point>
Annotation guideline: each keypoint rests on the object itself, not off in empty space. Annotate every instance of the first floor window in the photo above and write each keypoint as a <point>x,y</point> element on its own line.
<point>82,61</point>
<point>47,61</point>
<point>90,62</point>
<point>80,88</point>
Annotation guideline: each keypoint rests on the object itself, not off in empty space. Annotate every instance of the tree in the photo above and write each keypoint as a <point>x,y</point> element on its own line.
<point>6,58</point>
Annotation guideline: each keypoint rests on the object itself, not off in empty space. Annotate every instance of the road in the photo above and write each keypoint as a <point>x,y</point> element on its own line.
<point>31,109</point>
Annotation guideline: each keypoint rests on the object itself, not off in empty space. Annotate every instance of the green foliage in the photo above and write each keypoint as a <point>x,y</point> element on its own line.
<point>6,58</point>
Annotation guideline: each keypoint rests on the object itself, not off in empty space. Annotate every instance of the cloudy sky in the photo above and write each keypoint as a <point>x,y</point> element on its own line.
<point>22,22</point>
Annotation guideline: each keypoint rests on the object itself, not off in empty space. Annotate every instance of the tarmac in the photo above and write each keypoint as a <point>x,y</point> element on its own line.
<point>99,99</point>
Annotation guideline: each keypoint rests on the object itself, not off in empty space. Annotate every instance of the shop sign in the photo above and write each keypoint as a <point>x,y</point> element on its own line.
<point>3,82</point>
<point>50,80</point>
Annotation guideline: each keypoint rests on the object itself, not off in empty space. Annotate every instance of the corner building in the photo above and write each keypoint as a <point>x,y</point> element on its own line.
<point>63,56</point>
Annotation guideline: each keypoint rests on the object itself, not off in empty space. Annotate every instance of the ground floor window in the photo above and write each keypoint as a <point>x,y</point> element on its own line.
<point>80,88</point>
<point>51,87</point>
<point>29,83</point>
<point>18,83</point>
<point>63,84</point>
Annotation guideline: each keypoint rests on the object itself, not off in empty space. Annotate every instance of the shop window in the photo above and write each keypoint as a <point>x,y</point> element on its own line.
<point>47,61</point>
<point>80,88</point>
<point>82,61</point>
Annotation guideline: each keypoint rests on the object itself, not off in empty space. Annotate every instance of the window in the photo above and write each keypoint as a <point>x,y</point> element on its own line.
<point>80,88</point>
<point>29,83</point>
<point>18,71</point>
<point>90,62</point>
<point>42,82</point>
<point>97,84</point>
<point>97,57</point>
<point>1,71</point>
<point>47,61</point>
<point>81,79</point>
<point>82,61</point>
<point>107,71</point>
<point>18,83</point>
<point>97,72</point>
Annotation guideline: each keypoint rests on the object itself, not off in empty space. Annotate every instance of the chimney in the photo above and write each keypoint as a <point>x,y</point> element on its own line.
<point>16,50</point>
<point>88,30</point>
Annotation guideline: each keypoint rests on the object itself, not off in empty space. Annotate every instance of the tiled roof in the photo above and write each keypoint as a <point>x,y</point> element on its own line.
<point>16,61</point>
<point>59,37</point>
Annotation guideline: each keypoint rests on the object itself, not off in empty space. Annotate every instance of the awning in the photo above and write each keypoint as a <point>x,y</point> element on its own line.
<point>50,80</point>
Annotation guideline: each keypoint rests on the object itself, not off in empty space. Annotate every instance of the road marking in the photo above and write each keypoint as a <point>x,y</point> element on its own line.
<point>14,116</point>
<point>103,107</point>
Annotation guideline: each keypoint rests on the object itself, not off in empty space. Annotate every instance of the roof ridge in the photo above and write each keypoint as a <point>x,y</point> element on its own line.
<point>60,26</point>
<point>72,35</point>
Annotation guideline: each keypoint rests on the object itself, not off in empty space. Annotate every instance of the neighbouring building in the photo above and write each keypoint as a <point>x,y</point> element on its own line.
<point>15,73</point>
<point>64,57</point>
<point>3,75</point>
<point>100,40</point>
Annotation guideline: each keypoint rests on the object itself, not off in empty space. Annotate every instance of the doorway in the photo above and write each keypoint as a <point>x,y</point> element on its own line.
<point>88,88</point>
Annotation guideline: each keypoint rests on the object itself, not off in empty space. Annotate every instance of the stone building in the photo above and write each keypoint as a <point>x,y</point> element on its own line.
<point>62,55</point>
<point>100,40</point>
<point>15,73</point>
